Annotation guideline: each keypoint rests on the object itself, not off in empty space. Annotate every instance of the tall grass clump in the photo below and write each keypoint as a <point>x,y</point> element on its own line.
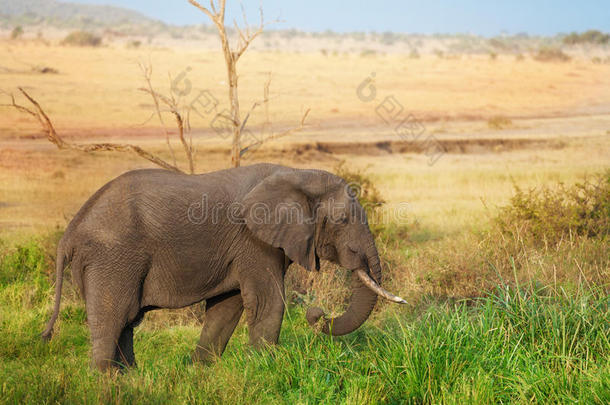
<point>587,37</point>
<point>362,185</point>
<point>549,54</point>
<point>23,264</point>
<point>554,235</point>
<point>82,38</point>
<point>17,32</point>
<point>549,235</point>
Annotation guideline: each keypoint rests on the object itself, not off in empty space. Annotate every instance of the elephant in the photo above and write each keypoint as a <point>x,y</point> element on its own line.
<point>153,238</point>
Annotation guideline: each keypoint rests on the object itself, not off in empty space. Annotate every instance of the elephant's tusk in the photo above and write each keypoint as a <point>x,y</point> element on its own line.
<point>370,283</point>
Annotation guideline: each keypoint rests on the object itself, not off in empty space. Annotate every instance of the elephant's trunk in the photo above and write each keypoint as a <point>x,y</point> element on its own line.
<point>361,304</point>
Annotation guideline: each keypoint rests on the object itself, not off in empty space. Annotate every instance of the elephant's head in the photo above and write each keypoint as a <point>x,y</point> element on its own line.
<point>312,215</point>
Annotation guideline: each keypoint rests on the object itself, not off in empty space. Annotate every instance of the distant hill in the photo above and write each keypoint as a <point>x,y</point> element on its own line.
<point>69,15</point>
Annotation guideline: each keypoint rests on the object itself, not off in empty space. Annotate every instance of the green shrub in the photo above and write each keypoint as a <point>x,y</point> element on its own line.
<point>587,37</point>
<point>499,43</point>
<point>547,54</point>
<point>368,52</point>
<point>499,122</point>
<point>134,44</point>
<point>548,215</point>
<point>364,187</point>
<point>82,38</point>
<point>17,32</point>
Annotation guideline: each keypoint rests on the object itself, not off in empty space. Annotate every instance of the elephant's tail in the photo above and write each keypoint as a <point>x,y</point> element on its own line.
<point>60,264</point>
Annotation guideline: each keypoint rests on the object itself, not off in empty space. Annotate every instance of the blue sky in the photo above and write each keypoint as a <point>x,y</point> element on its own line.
<point>492,17</point>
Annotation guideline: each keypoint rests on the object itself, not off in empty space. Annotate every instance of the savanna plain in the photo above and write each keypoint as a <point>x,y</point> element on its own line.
<point>499,244</point>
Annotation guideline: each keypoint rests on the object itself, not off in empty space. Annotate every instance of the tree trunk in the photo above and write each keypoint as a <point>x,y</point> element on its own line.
<point>236,122</point>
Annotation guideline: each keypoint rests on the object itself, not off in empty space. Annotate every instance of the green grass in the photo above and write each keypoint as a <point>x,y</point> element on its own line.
<point>517,344</point>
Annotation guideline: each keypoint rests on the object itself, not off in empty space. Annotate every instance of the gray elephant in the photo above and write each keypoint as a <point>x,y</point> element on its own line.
<point>156,239</point>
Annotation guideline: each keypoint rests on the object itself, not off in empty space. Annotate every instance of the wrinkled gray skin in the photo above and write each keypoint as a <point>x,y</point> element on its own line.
<point>133,247</point>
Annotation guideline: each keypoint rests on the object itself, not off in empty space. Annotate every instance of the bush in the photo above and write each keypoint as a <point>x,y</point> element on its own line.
<point>499,122</point>
<point>588,37</point>
<point>368,52</point>
<point>362,185</point>
<point>549,215</point>
<point>17,32</point>
<point>82,38</point>
<point>134,44</point>
<point>547,54</point>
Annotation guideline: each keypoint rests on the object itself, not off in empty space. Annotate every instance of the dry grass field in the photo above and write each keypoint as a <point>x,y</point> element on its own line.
<point>96,88</point>
<point>565,106</point>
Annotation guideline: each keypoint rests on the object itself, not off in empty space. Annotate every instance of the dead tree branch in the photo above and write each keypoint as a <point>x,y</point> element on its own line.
<point>147,73</point>
<point>282,134</point>
<point>54,137</point>
<point>265,102</point>
<point>173,108</point>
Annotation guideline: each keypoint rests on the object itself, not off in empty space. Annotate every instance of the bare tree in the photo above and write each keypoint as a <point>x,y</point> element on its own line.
<point>172,105</point>
<point>216,13</point>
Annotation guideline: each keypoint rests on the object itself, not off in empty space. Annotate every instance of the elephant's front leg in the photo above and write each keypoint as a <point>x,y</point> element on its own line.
<point>222,315</point>
<point>264,301</point>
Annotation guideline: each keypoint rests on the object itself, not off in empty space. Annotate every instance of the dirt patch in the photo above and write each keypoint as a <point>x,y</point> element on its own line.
<point>457,146</point>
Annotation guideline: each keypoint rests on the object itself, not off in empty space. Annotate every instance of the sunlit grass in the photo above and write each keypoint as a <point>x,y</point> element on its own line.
<point>525,340</point>
<point>515,346</point>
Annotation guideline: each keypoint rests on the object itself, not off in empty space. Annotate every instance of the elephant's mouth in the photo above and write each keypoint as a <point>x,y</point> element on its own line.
<point>376,288</point>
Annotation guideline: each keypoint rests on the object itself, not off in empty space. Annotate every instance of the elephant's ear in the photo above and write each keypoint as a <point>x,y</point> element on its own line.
<point>281,211</point>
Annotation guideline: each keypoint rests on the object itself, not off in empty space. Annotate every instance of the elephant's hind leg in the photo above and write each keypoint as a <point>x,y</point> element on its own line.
<point>112,301</point>
<point>221,317</point>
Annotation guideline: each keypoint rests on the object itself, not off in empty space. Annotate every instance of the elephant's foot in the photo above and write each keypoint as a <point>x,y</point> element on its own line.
<point>203,356</point>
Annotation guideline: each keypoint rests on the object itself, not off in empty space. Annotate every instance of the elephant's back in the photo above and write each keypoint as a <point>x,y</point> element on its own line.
<point>119,205</point>
<point>157,203</point>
